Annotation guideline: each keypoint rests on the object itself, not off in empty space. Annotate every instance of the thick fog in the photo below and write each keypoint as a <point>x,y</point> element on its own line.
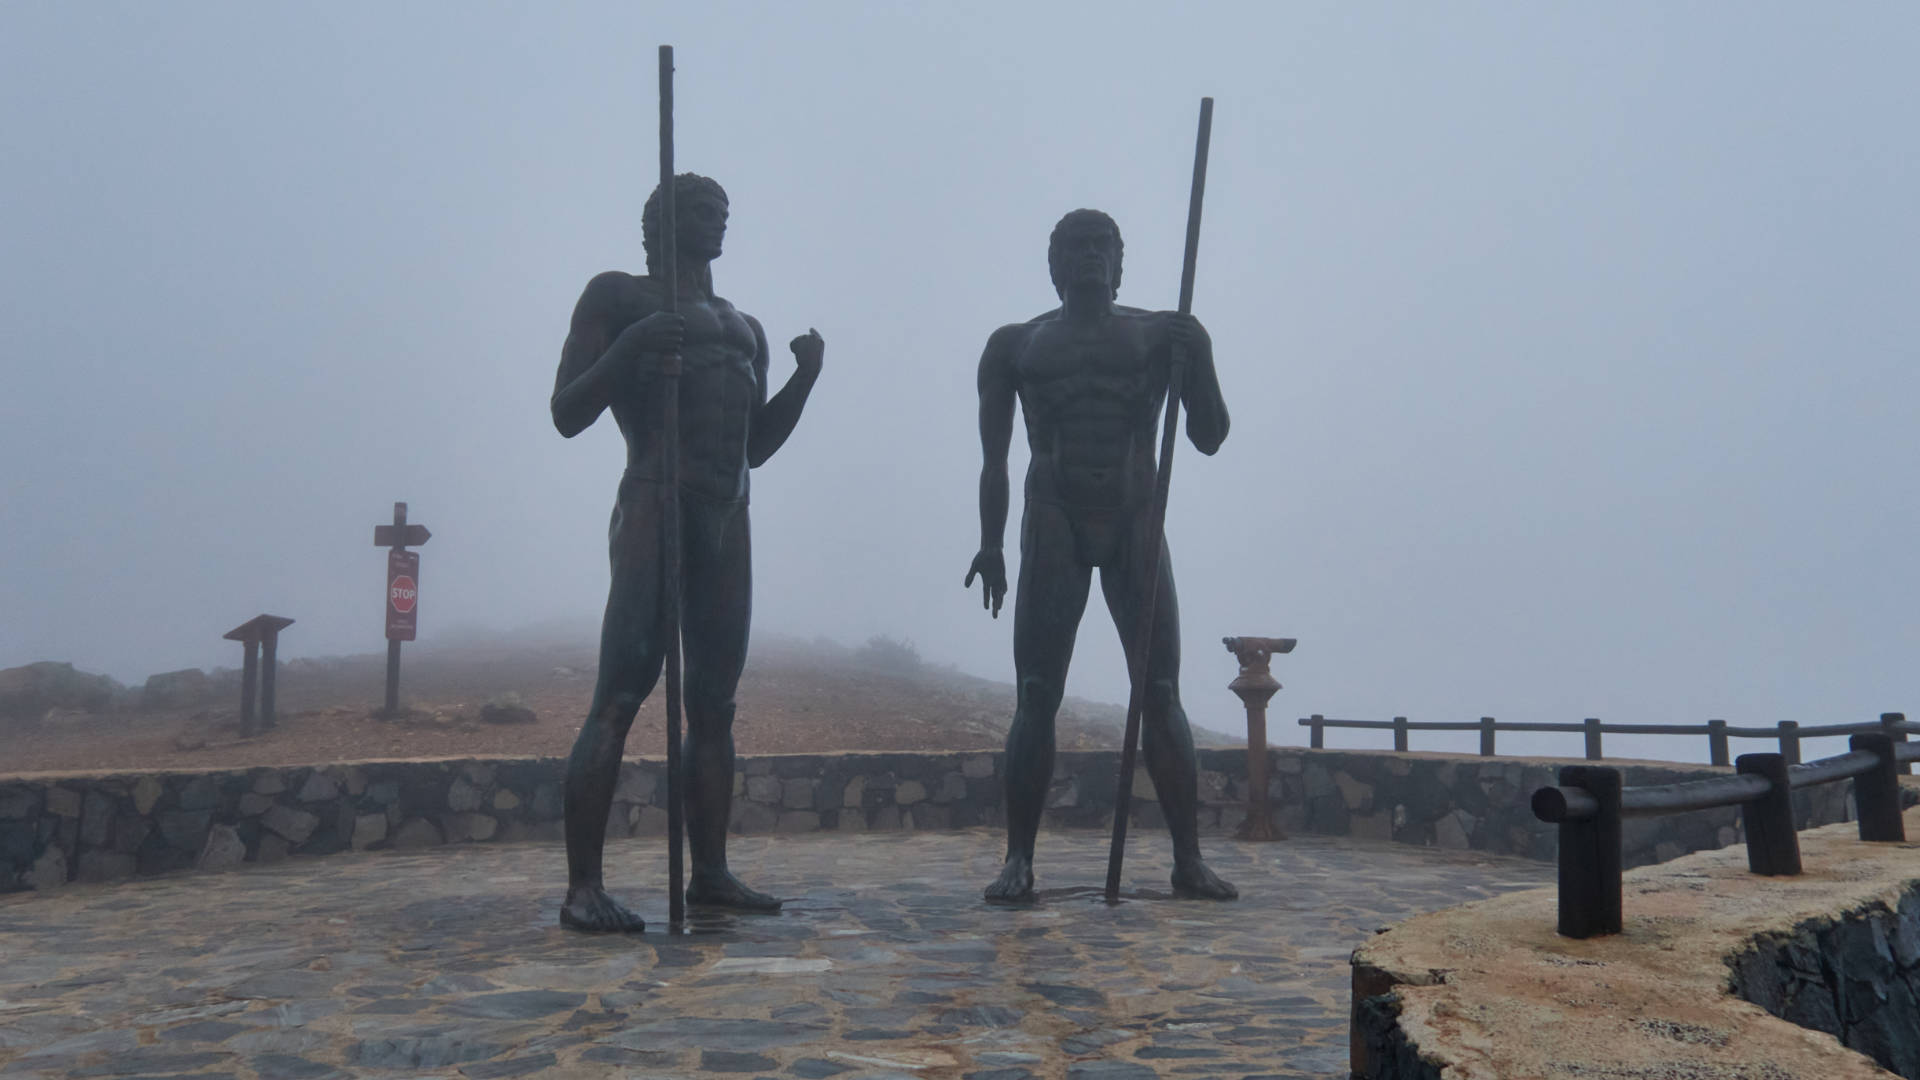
<point>1570,351</point>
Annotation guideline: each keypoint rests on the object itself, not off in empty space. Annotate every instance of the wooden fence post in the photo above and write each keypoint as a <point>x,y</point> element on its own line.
<point>1486,736</point>
<point>1593,739</point>
<point>1717,742</point>
<point>1399,734</point>
<point>1891,722</point>
<point>1590,857</point>
<point>1773,846</point>
<point>1876,794</point>
<point>1316,734</point>
<point>1790,741</point>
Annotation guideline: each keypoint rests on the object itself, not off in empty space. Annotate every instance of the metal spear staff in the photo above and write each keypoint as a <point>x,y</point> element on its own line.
<point>669,386</point>
<point>1142,644</point>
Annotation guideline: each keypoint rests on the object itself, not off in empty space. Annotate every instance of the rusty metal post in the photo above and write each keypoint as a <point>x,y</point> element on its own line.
<point>1255,686</point>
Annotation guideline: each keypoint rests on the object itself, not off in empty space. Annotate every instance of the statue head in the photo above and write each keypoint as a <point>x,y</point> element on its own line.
<point>700,204</point>
<point>1085,243</point>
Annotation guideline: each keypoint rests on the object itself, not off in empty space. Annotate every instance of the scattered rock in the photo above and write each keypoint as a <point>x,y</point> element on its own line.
<point>507,709</point>
<point>183,689</point>
<point>32,690</point>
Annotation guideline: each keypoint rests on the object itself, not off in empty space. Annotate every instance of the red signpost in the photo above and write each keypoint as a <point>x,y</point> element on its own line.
<point>403,591</point>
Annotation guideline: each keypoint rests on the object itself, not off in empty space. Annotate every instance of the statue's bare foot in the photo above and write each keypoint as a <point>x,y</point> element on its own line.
<point>1015,883</point>
<point>589,908</point>
<point>723,890</point>
<point>1193,880</point>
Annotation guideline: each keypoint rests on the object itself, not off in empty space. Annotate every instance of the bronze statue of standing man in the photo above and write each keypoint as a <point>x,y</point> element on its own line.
<point>611,361</point>
<point>1090,377</point>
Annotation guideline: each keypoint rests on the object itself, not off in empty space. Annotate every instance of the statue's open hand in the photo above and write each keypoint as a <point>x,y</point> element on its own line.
<point>991,567</point>
<point>808,349</point>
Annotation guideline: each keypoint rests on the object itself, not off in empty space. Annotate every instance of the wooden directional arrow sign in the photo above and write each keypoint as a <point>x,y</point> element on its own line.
<point>400,535</point>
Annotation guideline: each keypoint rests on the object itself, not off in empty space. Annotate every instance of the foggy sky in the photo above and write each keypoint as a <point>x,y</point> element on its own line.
<point>1570,350</point>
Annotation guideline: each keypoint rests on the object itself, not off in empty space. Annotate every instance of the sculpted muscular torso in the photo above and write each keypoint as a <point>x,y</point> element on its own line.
<point>1090,378</point>
<point>611,362</point>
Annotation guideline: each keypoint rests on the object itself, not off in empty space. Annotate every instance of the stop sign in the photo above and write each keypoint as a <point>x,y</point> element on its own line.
<point>403,594</point>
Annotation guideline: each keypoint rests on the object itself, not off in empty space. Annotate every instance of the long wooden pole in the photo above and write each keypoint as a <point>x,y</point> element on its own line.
<point>1142,644</point>
<point>670,503</point>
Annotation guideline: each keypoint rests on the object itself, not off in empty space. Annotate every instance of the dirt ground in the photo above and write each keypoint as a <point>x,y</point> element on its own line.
<point>796,697</point>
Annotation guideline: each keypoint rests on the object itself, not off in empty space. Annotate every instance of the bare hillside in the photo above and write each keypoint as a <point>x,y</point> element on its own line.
<point>796,697</point>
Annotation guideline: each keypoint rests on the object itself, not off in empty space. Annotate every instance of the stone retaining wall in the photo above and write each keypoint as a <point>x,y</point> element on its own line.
<point>55,829</point>
<point>1855,976</point>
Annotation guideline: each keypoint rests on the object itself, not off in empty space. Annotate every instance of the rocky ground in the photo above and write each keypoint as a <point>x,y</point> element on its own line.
<point>796,697</point>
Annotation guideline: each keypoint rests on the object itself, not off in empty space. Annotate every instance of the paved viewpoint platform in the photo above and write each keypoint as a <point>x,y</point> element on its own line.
<point>886,963</point>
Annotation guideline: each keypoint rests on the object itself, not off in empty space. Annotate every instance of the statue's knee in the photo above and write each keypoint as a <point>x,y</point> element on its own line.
<point>1163,695</point>
<point>1040,696</point>
<point>621,706</point>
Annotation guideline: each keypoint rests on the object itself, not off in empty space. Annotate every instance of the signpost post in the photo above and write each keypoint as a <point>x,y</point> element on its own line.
<point>403,592</point>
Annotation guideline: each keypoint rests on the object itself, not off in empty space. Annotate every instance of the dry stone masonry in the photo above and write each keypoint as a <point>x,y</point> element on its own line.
<point>55,829</point>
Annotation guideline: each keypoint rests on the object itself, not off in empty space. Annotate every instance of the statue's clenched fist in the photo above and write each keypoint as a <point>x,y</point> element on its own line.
<point>808,348</point>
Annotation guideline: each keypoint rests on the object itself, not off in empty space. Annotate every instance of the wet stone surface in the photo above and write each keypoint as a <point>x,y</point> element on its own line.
<point>885,963</point>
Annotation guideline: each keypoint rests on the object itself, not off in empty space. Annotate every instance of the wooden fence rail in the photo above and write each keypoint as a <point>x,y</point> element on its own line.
<point>1787,732</point>
<point>1589,804</point>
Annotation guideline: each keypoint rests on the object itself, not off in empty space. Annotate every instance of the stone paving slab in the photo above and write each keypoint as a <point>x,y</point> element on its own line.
<point>885,964</point>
